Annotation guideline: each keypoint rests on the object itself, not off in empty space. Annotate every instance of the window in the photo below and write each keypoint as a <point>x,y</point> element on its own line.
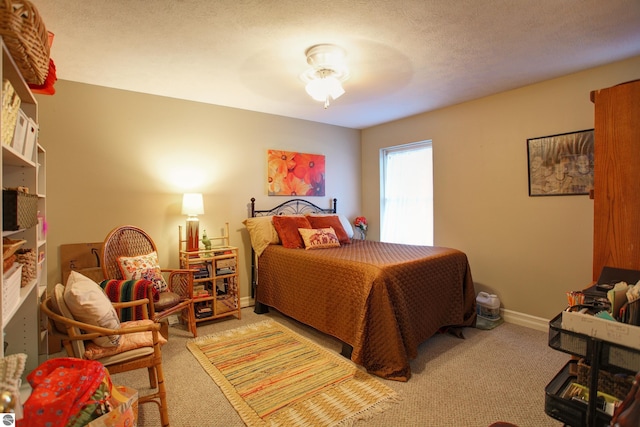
<point>407,194</point>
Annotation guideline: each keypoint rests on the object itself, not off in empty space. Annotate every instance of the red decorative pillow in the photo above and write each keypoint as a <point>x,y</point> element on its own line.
<point>287,228</point>
<point>330,221</point>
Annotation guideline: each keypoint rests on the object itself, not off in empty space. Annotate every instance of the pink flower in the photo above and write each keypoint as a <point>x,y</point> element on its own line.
<point>361,223</point>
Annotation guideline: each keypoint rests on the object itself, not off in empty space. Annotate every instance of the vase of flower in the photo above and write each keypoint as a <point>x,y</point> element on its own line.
<point>361,226</point>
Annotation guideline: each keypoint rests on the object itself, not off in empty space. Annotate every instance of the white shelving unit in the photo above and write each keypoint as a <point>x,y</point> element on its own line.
<point>22,328</point>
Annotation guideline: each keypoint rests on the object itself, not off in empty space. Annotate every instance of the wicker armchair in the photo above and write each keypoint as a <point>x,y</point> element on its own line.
<point>75,334</point>
<point>130,241</point>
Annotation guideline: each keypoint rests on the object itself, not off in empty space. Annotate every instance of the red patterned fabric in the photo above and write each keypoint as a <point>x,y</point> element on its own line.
<point>61,388</point>
<point>128,290</point>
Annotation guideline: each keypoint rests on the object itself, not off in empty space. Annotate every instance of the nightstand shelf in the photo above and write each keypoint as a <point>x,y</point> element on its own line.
<point>216,284</point>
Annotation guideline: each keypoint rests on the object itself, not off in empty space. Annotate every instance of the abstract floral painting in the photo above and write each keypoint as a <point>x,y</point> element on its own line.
<point>295,174</point>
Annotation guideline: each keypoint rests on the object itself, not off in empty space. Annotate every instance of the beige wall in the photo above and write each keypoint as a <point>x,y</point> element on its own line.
<point>116,157</point>
<point>528,250</point>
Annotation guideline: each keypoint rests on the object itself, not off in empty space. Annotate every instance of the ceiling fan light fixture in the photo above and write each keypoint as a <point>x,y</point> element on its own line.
<point>324,79</point>
<point>323,87</point>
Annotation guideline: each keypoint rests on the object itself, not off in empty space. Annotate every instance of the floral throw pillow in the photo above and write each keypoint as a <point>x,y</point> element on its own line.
<point>318,238</point>
<point>332,221</point>
<point>143,267</point>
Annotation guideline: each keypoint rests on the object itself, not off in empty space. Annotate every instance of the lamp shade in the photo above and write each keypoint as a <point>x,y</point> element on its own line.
<point>322,88</point>
<point>192,204</point>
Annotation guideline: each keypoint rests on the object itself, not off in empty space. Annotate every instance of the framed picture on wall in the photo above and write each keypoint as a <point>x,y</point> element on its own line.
<point>561,165</point>
<point>291,173</point>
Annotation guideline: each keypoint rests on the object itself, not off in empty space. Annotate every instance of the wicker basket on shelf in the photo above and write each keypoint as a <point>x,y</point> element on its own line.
<point>27,39</point>
<point>617,385</point>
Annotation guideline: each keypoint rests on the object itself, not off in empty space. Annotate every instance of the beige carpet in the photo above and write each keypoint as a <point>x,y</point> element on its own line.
<point>489,376</point>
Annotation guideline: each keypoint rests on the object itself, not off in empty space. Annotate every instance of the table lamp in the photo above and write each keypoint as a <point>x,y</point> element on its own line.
<point>192,206</point>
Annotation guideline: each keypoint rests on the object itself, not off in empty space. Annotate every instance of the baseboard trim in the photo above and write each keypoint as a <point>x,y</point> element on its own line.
<point>533,322</point>
<point>509,316</point>
<point>246,302</point>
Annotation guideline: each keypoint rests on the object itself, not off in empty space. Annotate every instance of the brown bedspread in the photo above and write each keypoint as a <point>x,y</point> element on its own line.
<point>383,299</point>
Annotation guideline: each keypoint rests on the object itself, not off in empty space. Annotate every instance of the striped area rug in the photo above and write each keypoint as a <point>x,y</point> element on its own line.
<point>275,377</point>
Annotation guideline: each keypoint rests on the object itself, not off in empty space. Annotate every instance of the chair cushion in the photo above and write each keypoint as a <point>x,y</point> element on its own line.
<point>143,267</point>
<point>89,304</point>
<point>166,300</point>
<point>128,343</point>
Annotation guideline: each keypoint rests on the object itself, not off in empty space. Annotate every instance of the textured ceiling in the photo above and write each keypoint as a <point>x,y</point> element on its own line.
<point>405,57</point>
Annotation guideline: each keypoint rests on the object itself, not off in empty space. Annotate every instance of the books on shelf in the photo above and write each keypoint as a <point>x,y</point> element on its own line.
<point>226,263</point>
<point>225,271</point>
<point>202,270</point>
<point>215,287</point>
<point>205,269</point>
<point>200,290</point>
<point>202,311</point>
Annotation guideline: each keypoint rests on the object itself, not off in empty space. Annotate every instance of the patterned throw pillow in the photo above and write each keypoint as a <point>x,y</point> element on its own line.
<point>143,267</point>
<point>318,238</point>
<point>332,221</point>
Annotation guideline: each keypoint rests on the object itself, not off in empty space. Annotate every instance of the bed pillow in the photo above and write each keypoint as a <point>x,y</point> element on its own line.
<point>287,227</point>
<point>261,232</point>
<point>143,267</point>
<point>88,303</point>
<point>346,225</point>
<point>332,221</point>
<point>318,238</point>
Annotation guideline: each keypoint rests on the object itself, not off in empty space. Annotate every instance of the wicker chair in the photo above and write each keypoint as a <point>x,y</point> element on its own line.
<point>73,335</point>
<point>130,241</point>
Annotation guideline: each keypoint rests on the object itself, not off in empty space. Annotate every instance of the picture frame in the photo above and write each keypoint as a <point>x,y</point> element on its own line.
<point>562,164</point>
<point>292,173</point>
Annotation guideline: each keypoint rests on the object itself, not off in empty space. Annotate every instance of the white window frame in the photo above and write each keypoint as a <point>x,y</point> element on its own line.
<point>395,225</point>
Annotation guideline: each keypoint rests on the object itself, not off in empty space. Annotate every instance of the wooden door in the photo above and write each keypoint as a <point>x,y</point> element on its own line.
<point>616,238</point>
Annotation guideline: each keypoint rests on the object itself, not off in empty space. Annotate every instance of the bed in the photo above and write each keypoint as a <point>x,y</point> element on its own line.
<point>382,300</point>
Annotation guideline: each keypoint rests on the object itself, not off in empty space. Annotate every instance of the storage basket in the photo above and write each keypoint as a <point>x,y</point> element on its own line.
<point>27,257</point>
<point>19,210</point>
<point>615,384</point>
<point>27,39</point>
<point>10,105</point>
